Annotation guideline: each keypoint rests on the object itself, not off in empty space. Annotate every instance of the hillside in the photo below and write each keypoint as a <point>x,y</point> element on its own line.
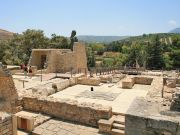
<point>177,30</point>
<point>164,38</point>
<point>100,39</point>
<point>5,34</point>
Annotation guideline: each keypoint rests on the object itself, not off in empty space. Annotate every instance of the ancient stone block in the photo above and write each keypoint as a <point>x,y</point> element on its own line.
<point>88,81</point>
<point>8,93</point>
<point>128,83</point>
<point>86,113</point>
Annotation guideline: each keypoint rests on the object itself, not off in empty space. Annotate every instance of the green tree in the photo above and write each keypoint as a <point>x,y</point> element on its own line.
<point>175,56</point>
<point>90,57</point>
<point>58,42</point>
<point>155,54</point>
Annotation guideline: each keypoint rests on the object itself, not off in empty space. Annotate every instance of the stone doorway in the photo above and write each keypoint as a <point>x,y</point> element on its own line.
<point>43,61</point>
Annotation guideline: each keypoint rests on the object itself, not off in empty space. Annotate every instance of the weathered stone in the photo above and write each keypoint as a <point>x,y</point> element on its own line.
<point>60,60</point>
<point>128,83</point>
<point>86,113</point>
<point>105,126</point>
<point>89,81</point>
<point>6,124</point>
<point>8,93</point>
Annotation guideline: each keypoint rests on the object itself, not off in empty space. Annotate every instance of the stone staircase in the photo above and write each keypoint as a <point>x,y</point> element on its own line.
<point>118,126</point>
<point>114,126</point>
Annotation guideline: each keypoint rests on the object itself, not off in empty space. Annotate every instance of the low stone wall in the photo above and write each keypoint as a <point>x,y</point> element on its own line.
<point>86,113</point>
<point>128,83</point>
<point>144,118</point>
<point>143,80</point>
<point>88,81</point>
<point>106,78</point>
<point>7,127</point>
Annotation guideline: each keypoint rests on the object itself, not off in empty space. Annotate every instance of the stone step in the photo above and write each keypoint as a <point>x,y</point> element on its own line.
<point>119,119</point>
<point>117,132</point>
<point>118,126</point>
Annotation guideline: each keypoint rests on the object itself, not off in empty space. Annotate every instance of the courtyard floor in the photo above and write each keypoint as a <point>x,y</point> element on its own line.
<point>106,94</point>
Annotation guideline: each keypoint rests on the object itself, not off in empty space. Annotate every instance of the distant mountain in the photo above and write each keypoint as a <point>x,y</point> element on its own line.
<point>5,34</point>
<point>177,30</point>
<point>100,39</point>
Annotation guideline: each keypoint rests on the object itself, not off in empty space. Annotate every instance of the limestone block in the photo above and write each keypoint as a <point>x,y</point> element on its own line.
<point>128,83</point>
<point>89,81</point>
<point>59,86</point>
<point>105,126</point>
<point>143,80</point>
<point>8,93</point>
<point>72,81</point>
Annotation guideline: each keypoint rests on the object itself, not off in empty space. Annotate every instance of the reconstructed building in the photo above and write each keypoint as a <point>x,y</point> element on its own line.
<point>60,60</point>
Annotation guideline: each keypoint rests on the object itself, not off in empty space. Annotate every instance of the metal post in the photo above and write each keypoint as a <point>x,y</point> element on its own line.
<point>23,84</point>
<point>41,74</point>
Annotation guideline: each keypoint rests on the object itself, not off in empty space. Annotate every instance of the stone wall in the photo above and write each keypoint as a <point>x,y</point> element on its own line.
<point>8,93</point>
<point>81,58</point>
<point>7,127</point>
<point>86,113</point>
<point>88,81</point>
<point>144,118</point>
<point>128,83</point>
<point>143,80</point>
<point>61,60</point>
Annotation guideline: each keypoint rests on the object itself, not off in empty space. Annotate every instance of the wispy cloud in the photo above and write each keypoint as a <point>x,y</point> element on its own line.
<point>172,23</point>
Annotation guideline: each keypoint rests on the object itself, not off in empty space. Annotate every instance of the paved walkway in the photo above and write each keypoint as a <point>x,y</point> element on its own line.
<point>58,127</point>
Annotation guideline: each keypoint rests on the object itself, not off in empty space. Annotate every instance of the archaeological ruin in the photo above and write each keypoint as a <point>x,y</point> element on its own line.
<point>67,99</point>
<point>60,60</point>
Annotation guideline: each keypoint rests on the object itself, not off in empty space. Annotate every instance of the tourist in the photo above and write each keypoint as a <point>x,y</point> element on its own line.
<point>30,71</point>
<point>25,71</point>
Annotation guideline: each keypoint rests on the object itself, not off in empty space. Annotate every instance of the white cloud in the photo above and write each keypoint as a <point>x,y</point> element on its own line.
<point>172,23</point>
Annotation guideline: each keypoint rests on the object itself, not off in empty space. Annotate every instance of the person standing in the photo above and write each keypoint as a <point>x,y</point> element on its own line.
<point>25,71</point>
<point>30,71</point>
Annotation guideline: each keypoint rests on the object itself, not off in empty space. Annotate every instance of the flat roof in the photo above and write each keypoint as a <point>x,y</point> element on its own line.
<point>51,49</point>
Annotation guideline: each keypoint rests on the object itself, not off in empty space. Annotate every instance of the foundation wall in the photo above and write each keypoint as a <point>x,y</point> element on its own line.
<point>144,118</point>
<point>85,113</point>
<point>143,80</point>
<point>89,81</point>
<point>136,125</point>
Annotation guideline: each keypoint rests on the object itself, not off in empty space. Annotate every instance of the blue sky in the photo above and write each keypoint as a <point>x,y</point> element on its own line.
<point>90,17</point>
